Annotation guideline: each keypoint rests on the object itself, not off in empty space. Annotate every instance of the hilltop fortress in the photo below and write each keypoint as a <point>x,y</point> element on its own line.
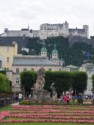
<point>49,30</point>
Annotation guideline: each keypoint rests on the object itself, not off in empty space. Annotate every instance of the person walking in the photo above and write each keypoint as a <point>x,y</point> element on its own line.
<point>20,97</point>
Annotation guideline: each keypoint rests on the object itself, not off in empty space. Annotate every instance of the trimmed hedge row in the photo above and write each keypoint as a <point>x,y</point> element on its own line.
<point>64,81</point>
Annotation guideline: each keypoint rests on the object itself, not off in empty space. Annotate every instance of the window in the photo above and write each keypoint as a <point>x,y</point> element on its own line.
<point>44,28</point>
<point>17,70</point>
<point>8,49</point>
<point>17,80</point>
<point>41,28</point>
<point>7,59</point>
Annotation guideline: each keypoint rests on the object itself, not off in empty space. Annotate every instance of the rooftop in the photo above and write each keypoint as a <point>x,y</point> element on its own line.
<point>32,61</point>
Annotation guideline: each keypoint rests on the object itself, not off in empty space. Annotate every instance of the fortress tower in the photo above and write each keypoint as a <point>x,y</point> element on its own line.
<point>86,28</point>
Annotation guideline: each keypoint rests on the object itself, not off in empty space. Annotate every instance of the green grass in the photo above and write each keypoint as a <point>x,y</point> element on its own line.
<point>43,124</point>
<point>5,108</point>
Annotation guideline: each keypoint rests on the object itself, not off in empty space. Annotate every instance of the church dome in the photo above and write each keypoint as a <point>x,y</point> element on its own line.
<point>54,50</point>
<point>43,49</point>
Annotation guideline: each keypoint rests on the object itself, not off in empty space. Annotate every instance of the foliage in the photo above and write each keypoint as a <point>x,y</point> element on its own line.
<point>24,52</point>
<point>93,81</point>
<point>34,45</point>
<point>77,53</point>
<point>74,55</point>
<point>25,102</point>
<point>79,82</point>
<point>63,80</point>
<point>27,80</point>
<point>5,108</point>
<point>3,72</point>
<point>4,83</point>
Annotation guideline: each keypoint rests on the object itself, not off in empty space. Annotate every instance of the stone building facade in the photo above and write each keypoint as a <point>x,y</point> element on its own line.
<point>6,55</point>
<point>50,30</point>
<point>24,62</point>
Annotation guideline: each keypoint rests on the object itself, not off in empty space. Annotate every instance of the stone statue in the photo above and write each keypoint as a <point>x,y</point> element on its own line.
<point>40,79</point>
<point>54,93</point>
<point>53,87</point>
<point>39,94</point>
<point>41,72</point>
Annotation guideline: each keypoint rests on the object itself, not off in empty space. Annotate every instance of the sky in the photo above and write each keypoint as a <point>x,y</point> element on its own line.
<point>18,14</point>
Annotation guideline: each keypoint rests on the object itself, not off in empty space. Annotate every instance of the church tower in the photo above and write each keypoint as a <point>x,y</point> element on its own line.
<point>43,51</point>
<point>54,53</point>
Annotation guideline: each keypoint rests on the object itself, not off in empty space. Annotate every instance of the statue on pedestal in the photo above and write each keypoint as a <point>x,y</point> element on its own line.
<point>39,94</point>
<point>40,79</point>
<point>54,93</point>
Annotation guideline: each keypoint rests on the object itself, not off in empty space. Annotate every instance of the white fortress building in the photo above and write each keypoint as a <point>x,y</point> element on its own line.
<point>49,30</point>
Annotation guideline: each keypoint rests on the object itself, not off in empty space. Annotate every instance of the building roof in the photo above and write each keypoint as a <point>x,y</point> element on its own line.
<point>32,61</point>
<point>88,66</point>
<point>7,41</point>
<point>43,49</point>
<point>71,66</point>
<point>54,50</point>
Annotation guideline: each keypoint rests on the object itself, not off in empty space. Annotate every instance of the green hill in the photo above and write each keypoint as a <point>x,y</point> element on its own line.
<point>74,55</point>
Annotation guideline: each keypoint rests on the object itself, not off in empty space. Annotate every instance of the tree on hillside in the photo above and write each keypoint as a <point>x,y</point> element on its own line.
<point>77,53</point>
<point>34,44</point>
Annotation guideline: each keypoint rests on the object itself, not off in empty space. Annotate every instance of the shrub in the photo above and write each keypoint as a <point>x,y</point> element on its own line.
<point>25,102</point>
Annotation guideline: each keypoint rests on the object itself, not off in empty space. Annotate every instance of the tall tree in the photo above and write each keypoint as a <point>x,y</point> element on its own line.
<point>27,80</point>
<point>4,83</point>
<point>79,82</point>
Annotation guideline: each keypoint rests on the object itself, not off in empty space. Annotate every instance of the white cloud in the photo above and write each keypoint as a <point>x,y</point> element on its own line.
<point>17,14</point>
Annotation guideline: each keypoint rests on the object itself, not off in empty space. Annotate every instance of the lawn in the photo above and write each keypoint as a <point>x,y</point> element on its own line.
<point>5,108</point>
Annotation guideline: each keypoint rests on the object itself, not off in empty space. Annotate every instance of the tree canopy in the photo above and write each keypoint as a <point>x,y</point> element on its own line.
<point>64,81</point>
<point>74,55</point>
<point>4,83</point>
<point>27,80</point>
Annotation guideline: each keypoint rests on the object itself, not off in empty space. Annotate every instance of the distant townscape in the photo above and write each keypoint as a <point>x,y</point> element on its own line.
<point>55,47</point>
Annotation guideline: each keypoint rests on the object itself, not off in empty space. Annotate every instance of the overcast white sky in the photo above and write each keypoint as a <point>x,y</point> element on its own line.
<point>17,14</point>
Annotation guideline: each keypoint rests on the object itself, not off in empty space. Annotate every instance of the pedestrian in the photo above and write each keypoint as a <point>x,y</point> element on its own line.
<point>65,99</point>
<point>20,97</point>
<point>14,97</point>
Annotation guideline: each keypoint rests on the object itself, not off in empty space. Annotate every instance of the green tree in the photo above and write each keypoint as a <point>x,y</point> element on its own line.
<point>62,80</point>
<point>27,80</point>
<point>93,81</point>
<point>79,82</point>
<point>4,83</point>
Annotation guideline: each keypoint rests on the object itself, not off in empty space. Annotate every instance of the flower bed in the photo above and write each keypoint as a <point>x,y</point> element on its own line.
<point>47,113</point>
